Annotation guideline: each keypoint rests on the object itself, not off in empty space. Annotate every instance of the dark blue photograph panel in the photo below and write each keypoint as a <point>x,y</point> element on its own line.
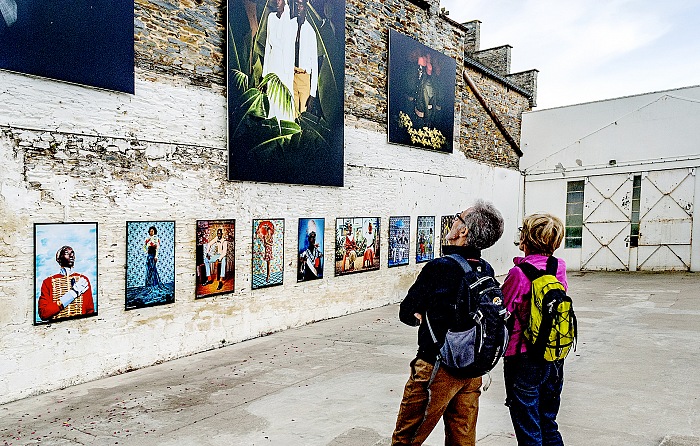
<point>89,42</point>
<point>421,94</point>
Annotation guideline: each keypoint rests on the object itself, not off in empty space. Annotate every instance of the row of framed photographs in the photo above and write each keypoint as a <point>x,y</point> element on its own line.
<point>66,254</point>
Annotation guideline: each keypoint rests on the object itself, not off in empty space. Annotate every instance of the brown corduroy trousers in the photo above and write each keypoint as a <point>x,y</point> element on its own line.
<point>454,399</point>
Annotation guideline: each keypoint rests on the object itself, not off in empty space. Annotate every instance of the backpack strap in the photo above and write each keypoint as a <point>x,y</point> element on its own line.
<point>530,271</point>
<point>552,266</point>
<point>462,262</point>
<point>533,273</point>
<point>438,358</point>
<point>467,268</point>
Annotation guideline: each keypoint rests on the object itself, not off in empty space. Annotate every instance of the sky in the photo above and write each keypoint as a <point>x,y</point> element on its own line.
<point>588,50</point>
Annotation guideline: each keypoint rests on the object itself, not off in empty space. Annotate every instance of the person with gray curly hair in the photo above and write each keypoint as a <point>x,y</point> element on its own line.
<point>447,394</point>
<point>483,224</point>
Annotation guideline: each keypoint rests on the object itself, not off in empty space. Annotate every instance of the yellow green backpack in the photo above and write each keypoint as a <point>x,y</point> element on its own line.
<point>551,331</point>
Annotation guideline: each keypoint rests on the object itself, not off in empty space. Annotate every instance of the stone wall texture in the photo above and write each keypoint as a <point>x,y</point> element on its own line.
<point>70,153</point>
<point>498,59</point>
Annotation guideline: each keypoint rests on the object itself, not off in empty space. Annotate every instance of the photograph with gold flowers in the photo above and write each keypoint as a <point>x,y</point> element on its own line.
<point>421,94</point>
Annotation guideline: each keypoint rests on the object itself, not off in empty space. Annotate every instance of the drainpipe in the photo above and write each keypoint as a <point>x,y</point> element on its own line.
<point>513,144</point>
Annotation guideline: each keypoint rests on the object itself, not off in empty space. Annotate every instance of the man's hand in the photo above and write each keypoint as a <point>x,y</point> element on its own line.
<point>81,286</point>
<point>76,290</point>
<point>419,317</point>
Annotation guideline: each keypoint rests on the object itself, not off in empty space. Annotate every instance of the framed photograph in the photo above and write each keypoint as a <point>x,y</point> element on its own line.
<point>356,244</point>
<point>65,271</point>
<point>88,42</point>
<point>150,263</point>
<point>445,226</point>
<point>268,252</point>
<point>421,94</point>
<point>310,249</point>
<point>285,81</point>
<point>215,257</point>
<point>399,237</point>
<point>425,239</point>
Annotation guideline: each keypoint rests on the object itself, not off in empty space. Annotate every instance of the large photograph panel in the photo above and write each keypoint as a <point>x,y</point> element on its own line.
<point>286,68</point>
<point>150,263</point>
<point>421,94</point>
<point>89,42</point>
<point>65,271</point>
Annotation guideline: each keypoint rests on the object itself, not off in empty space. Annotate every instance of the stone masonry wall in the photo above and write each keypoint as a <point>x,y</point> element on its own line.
<point>482,139</point>
<point>185,38</point>
<point>498,59</point>
<point>70,153</point>
<point>366,75</point>
<point>528,81</point>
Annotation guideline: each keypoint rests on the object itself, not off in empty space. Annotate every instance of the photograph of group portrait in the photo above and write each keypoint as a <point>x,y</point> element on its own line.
<point>399,236</point>
<point>285,78</point>
<point>65,271</point>
<point>215,258</point>
<point>356,245</point>
<point>150,263</point>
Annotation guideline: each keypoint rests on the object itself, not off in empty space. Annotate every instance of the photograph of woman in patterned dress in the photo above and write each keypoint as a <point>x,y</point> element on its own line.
<point>268,255</point>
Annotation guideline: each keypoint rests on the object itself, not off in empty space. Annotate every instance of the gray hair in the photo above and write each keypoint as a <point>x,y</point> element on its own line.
<point>484,224</point>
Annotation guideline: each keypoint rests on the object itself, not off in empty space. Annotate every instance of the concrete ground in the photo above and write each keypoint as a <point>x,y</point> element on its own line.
<point>634,380</point>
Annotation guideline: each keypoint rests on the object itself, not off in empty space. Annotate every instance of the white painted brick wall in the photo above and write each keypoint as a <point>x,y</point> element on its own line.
<point>179,131</point>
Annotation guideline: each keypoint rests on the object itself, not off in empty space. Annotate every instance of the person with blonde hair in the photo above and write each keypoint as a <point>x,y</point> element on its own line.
<point>533,385</point>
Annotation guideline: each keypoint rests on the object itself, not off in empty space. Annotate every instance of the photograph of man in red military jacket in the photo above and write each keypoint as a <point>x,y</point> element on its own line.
<point>66,293</point>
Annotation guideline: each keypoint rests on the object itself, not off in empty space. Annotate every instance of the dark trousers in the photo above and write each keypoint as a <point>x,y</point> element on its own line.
<point>533,395</point>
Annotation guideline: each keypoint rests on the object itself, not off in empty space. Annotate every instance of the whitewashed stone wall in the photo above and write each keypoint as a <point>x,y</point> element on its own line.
<point>71,153</point>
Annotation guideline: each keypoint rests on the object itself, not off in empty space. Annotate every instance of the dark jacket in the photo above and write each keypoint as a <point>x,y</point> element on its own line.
<point>435,292</point>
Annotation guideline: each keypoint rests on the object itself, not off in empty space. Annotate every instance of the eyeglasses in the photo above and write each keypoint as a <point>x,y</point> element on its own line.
<point>458,216</point>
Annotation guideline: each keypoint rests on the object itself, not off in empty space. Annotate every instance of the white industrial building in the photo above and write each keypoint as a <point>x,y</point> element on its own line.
<point>622,174</point>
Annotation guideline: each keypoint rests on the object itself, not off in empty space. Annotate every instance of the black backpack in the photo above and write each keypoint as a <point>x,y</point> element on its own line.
<point>475,350</point>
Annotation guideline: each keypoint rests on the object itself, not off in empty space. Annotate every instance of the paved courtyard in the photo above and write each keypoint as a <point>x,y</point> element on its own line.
<point>634,380</point>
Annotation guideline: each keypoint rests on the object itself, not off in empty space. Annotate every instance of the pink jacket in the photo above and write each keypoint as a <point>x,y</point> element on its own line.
<point>515,288</point>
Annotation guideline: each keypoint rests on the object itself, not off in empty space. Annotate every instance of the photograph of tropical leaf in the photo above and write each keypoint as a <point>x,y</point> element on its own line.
<point>286,69</point>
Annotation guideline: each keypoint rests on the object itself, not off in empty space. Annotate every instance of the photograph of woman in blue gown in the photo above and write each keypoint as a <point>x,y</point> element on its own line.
<point>150,263</point>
